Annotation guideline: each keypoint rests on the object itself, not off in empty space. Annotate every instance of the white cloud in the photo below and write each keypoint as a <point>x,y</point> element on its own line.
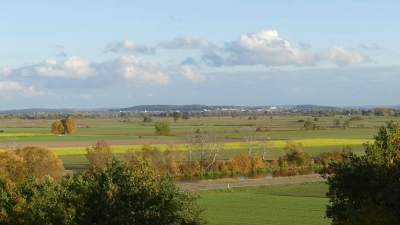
<point>135,69</point>
<point>10,89</point>
<point>342,56</point>
<point>5,71</point>
<point>266,48</point>
<point>73,67</point>
<point>187,72</point>
<point>128,46</point>
<point>187,43</point>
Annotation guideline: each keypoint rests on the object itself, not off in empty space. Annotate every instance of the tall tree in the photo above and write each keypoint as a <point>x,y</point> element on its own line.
<point>364,189</point>
<point>37,160</point>
<point>177,115</point>
<point>57,127</point>
<point>69,125</point>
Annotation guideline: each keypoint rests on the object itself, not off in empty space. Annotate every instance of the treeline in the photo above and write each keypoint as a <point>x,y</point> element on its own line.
<point>34,190</point>
<point>126,115</point>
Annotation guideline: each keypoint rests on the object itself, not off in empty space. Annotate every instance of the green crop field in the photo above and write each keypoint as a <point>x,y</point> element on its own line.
<point>303,203</point>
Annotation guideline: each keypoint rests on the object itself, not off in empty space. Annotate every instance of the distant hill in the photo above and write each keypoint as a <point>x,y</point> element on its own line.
<point>171,108</point>
<point>315,107</point>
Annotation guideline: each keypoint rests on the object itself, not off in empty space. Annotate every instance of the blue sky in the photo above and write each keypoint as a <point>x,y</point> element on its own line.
<point>94,54</point>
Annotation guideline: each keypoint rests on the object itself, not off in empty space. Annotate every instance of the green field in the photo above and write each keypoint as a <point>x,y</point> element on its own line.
<point>303,203</point>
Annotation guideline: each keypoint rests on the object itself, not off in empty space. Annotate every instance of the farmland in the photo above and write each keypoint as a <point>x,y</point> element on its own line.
<point>131,135</point>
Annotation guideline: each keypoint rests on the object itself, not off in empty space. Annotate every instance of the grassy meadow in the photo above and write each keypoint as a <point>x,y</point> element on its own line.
<point>302,203</point>
<point>279,129</point>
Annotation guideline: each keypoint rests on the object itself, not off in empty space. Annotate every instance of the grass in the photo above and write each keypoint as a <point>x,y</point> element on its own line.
<point>302,203</point>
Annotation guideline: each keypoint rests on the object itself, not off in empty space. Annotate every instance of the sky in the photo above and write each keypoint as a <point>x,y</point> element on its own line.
<point>116,54</point>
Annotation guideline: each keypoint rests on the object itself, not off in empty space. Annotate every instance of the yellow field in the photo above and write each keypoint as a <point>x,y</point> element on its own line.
<point>8,135</point>
<point>121,149</point>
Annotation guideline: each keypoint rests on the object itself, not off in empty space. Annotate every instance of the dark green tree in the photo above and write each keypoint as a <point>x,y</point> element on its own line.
<point>185,116</point>
<point>177,115</point>
<point>365,189</point>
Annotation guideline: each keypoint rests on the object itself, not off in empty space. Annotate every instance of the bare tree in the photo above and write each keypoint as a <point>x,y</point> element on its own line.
<point>255,141</point>
<point>205,144</point>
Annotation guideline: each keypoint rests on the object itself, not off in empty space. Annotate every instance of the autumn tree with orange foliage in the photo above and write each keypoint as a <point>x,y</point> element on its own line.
<point>242,163</point>
<point>38,161</point>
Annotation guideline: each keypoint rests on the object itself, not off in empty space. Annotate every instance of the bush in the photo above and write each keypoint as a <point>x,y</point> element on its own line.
<point>300,121</point>
<point>162,128</point>
<point>356,118</point>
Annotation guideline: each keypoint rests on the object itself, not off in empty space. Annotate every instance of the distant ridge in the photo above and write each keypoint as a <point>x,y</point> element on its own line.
<point>172,108</point>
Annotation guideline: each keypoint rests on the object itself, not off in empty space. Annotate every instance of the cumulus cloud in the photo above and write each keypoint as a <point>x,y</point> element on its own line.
<point>128,46</point>
<point>188,73</point>
<point>10,89</point>
<point>73,67</point>
<point>342,56</point>
<point>187,43</point>
<point>266,48</point>
<point>136,69</point>
<point>5,71</point>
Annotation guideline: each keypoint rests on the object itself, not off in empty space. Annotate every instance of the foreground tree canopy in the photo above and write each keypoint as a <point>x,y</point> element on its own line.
<point>117,193</point>
<point>365,189</point>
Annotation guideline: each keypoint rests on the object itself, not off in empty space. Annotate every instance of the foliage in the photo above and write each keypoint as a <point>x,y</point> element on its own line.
<point>35,201</point>
<point>57,127</point>
<point>336,123</point>
<point>99,154</point>
<point>69,125</point>
<point>38,161</point>
<point>185,116</point>
<point>176,116</point>
<point>147,119</point>
<point>295,154</point>
<point>162,128</point>
<point>242,163</point>
<point>356,118</point>
<point>309,124</point>
<point>115,194</point>
<point>149,152</point>
<point>346,124</point>
<point>378,170</point>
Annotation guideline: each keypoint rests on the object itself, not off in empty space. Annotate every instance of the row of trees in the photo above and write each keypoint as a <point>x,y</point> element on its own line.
<point>109,192</point>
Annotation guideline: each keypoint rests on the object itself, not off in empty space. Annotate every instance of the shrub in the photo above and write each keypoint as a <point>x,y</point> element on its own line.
<point>162,128</point>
